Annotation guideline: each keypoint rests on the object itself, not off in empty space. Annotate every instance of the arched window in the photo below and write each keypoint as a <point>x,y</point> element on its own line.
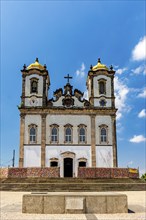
<point>102,89</point>
<point>34,86</point>
<point>103,135</point>
<point>68,135</point>
<point>54,133</point>
<point>82,133</point>
<point>32,134</point>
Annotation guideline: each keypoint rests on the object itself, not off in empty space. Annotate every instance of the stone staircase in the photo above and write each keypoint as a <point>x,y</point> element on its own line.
<point>71,184</point>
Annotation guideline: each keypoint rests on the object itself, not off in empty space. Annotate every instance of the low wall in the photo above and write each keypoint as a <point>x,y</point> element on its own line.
<point>87,172</point>
<point>83,172</point>
<point>4,172</point>
<point>30,172</point>
<point>74,203</point>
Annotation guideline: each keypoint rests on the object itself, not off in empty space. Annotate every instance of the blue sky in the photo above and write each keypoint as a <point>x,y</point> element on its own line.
<point>69,36</point>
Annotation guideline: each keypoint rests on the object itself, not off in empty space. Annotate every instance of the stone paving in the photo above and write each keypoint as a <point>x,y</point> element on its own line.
<point>11,209</point>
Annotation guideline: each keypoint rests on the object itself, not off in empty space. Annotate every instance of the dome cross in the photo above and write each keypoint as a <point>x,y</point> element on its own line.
<point>68,78</point>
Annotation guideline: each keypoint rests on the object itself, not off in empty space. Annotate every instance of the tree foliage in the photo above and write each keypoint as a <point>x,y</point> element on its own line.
<point>143,177</point>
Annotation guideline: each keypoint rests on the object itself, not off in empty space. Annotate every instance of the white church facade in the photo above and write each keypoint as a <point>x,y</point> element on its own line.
<point>67,130</point>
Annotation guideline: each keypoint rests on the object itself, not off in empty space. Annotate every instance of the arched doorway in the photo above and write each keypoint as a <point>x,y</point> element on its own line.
<point>68,167</point>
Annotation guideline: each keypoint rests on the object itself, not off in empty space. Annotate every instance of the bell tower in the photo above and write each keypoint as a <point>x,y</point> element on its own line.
<point>100,86</point>
<point>35,85</point>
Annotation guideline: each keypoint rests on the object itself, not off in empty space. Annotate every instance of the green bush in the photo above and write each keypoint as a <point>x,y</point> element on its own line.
<point>143,177</point>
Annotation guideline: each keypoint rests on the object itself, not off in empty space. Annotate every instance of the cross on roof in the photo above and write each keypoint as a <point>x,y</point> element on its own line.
<point>68,77</point>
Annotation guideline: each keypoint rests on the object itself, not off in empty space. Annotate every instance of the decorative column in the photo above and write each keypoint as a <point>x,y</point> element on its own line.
<point>21,150</point>
<point>43,141</point>
<point>112,92</point>
<point>114,138</point>
<point>44,90</point>
<point>92,91</point>
<point>23,89</point>
<point>93,142</point>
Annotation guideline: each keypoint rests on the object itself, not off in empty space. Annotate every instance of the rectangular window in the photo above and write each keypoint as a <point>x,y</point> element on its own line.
<point>32,138</point>
<point>82,138</point>
<point>103,138</point>
<point>54,138</point>
<point>68,138</point>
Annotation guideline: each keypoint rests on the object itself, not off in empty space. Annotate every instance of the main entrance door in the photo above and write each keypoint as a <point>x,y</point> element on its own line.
<point>68,167</point>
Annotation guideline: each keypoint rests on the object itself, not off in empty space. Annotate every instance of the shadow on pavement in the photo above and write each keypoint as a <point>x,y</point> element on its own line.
<point>130,211</point>
<point>91,217</point>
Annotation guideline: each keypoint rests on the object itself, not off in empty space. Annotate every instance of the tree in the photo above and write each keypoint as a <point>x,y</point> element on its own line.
<point>143,177</point>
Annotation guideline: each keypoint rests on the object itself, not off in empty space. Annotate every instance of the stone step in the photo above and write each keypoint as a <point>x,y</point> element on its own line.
<point>68,180</point>
<point>48,187</point>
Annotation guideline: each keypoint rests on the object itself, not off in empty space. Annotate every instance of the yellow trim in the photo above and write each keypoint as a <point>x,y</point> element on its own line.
<point>131,170</point>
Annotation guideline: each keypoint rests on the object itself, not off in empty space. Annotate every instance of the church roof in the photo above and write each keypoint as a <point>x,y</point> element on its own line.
<point>99,66</point>
<point>36,65</point>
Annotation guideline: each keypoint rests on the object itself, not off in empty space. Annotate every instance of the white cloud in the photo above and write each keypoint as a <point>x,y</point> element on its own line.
<point>120,71</point>
<point>142,94</point>
<point>121,92</point>
<point>130,162</point>
<point>142,171</point>
<point>139,70</point>
<point>81,72</point>
<point>86,95</point>
<point>142,114</point>
<point>116,66</point>
<point>119,127</point>
<point>137,139</point>
<point>139,51</point>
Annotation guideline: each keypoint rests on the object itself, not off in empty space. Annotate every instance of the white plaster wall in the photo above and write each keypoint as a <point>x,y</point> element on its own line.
<point>80,151</point>
<point>40,85</point>
<point>32,119</point>
<point>32,156</point>
<point>96,90</point>
<point>106,120</point>
<point>89,87</point>
<point>58,102</point>
<point>77,103</point>
<point>108,85</point>
<point>38,102</point>
<point>97,102</point>
<point>62,120</point>
<point>104,156</point>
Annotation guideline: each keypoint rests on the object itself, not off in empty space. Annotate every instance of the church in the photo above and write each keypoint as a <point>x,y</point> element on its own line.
<point>67,131</point>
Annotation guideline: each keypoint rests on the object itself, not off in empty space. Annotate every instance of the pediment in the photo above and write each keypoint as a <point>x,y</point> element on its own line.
<point>68,153</point>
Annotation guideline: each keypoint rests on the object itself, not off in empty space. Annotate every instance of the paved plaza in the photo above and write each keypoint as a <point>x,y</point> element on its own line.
<point>11,209</point>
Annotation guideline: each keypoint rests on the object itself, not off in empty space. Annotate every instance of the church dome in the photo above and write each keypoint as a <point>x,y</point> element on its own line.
<point>99,66</point>
<point>35,65</point>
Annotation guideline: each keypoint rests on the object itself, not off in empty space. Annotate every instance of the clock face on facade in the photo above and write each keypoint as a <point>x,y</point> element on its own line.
<point>33,101</point>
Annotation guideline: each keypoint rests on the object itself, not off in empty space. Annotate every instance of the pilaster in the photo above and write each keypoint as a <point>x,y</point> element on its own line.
<point>21,151</point>
<point>114,138</point>
<point>44,90</point>
<point>93,143</point>
<point>23,90</point>
<point>112,92</point>
<point>43,141</point>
